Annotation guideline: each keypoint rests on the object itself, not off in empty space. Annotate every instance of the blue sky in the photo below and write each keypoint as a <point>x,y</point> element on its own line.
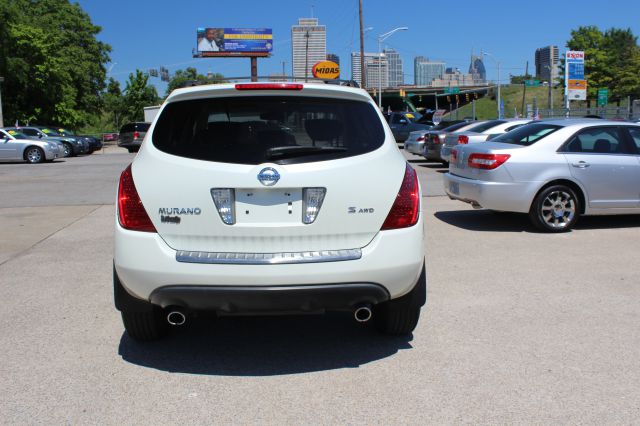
<point>146,34</point>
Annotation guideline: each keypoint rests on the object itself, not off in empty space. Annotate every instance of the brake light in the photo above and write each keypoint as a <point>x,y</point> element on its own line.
<point>131,212</point>
<point>136,135</point>
<point>436,139</point>
<point>463,139</point>
<point>269,86</point>
<point>420,138</point>
<point>454,155</point>
<point>487,161</point>
<point>406,208</point>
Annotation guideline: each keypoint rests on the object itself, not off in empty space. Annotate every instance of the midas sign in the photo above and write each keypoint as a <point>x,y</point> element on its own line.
<point>326,69</point>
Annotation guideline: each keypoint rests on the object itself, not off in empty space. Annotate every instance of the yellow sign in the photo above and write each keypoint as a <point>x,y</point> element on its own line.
<point>577,85</point>
<point>326,69</point>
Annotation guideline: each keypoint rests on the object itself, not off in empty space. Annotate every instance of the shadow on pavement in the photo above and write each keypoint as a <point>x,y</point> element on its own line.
<point>264,346</point>
<point>438,167</point>
<point>487,220</point>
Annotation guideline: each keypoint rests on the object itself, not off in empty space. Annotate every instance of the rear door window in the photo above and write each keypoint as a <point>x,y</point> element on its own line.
<point>277,129</point>
<point>597,140</point>
<point>635,137</point>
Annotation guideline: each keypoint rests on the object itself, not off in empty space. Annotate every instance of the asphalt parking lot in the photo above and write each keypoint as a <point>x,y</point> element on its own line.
<point>519,326</point>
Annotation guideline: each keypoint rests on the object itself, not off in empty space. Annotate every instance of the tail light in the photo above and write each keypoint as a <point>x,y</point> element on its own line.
<point>131,212</point>
<point>436,139</point>
<point>463,139</point>
<point>420,138</point>
<point>454,155</point>
<point>312,199</point>
<point>269,86</point>
<point>406,208</point>
<point>136,135</point>
<point>487,161</point>
<point>224,199</point>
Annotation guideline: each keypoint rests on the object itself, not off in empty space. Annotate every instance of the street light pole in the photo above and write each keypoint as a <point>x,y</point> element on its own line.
<point>498,83</point>
<point>1,116</point>
<point>381,38</point>
<point>550,89</point>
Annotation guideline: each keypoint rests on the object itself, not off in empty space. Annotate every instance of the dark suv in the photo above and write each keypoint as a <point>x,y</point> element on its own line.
<point>132,135</point>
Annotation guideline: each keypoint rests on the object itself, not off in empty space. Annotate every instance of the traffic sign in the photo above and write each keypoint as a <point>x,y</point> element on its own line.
<point>532,83</point>
<point>451,90</point>
<point>603,97</point>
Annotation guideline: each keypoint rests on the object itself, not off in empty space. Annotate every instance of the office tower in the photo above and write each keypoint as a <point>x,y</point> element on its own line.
<point>477,69</point>
<point>394,61</point>
<point>308,46</point>
<point>547,60</point>
<point>333,57</point>
<point>355,67</point>
<point>425,71</point>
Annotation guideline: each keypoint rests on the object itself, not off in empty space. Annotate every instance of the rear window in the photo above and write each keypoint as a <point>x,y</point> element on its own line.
<point>527,135</point>
<point>277,129</point>
<point>456,126</point>
<point>133,127</point>
<point>485,126</point>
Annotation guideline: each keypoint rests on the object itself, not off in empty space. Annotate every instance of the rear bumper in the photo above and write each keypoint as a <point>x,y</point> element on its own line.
<point>414,147</point>
<point>445,152</point>
<point>502,196</point>
<point>241,299</point>
<point>393,260</point>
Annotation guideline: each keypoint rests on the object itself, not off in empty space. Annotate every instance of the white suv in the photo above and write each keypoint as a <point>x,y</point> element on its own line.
<point>262,198</point>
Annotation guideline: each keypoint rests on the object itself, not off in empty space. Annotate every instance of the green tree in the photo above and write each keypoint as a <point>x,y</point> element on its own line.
<point>113,103</point>
<point>137,95</point>
<point>612,60</point>
<point>191,76</point>
<point>519,79</point>
<point>54,67</point>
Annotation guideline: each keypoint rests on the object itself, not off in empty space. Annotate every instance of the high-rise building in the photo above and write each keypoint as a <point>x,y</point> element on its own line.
<point>308,46</point>
<point>547,60</point>
<point>377,73</point>
<point>477,69</point>
<point>333,57</point>
<point>369,58</point>
<point>394,61</point>
<point>425,71</point>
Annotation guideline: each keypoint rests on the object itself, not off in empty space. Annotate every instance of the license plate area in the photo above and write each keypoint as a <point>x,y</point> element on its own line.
<point>268,206</point>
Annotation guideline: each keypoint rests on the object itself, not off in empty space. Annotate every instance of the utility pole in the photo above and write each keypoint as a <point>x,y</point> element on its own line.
<point>1,116</point>
<point>524,83</point>
<point>306,56</point>
<point>363,77</point>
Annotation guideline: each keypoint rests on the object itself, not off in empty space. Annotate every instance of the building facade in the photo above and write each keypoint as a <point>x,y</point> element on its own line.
<point>394,62</point>
<point>425,71</point>
<point>477,69</point>
<point>454,78</point>
<point>547,64</point>
<point>371,67</point>
<point>308,46</point>
<point>333,57</point>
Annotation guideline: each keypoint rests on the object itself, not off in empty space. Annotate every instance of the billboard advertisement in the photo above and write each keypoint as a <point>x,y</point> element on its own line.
<point>326,69</point>
<point>575,83</point>
<point>233,42</point>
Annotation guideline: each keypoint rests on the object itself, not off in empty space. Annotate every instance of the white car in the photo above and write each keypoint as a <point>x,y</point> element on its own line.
<point>15,146</point>
<point>261,198</point>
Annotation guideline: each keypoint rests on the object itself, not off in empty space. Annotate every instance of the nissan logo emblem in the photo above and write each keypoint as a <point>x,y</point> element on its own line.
<point>268,176</point>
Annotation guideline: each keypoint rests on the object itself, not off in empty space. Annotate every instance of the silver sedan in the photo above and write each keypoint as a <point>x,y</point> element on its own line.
<point>553,170</point>
<point>15,146</point>
<point>479,133</point>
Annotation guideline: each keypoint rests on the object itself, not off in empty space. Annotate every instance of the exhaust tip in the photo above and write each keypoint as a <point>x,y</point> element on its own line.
<point>176,318</point>
<point>363,313</point>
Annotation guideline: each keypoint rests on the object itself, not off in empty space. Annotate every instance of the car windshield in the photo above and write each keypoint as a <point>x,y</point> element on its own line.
<point>17,135</point>
<point>527,135</point>
<point>49,132</point>
<point>485,126</point>
<point>65,132</point>
<point>279,129</point>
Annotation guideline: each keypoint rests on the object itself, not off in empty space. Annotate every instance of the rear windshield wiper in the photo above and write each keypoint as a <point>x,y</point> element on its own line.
<point>280,152</point>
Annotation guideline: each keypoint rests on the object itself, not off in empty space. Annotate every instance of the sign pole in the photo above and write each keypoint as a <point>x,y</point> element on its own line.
<point>254,68</point>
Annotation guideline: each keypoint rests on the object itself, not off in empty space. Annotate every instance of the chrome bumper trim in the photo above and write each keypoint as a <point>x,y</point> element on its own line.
<point>268,258</point>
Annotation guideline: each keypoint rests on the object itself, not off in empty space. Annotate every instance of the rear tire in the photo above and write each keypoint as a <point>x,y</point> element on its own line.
<point>400,316</point>
<point>555,209</point>
<point>145,326</point>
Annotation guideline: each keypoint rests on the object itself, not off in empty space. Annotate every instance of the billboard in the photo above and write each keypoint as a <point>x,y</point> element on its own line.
<point>326,69</point>
<point>213,42</point>
<point>575,83</point>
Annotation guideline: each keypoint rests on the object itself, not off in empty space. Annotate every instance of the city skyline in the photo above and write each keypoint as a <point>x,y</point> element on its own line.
<point>513,42</point>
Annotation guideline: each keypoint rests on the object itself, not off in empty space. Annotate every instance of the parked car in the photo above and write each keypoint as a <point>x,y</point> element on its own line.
<point>72,146</point>
<point>403,123</point>
<point>95,144</point>
<point>132,135</point>
<point>553,170</point>
<point>16,146</point>
<point>109,137</point>
<point>428,142</point>
<point>415,142</point>
<point>479,133</point>
<point>261,198</point>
